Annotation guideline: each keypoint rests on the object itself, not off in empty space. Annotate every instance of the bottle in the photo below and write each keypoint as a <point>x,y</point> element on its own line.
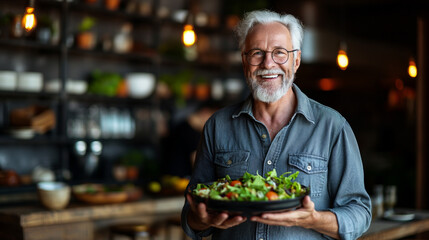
<point>377,201</point>
<point>123,41</point>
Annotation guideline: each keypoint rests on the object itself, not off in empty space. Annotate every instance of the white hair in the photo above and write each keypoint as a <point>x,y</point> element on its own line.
<point>265,16</point>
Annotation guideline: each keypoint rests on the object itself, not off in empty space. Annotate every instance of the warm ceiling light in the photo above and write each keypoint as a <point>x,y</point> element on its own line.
<point>29,21</point>
<point>342,59</point>
<point>412,68</point>
<point>189,37</point>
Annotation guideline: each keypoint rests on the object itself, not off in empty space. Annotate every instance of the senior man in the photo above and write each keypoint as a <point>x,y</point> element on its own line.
<point>279,127</point>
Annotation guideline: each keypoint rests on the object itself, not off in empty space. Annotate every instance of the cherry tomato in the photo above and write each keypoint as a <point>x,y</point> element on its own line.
<point>235,183</point>
<point>272,195</point>
<point>232,195</point>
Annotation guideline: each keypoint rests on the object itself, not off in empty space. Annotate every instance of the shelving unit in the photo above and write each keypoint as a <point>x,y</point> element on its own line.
<point>66,61</point>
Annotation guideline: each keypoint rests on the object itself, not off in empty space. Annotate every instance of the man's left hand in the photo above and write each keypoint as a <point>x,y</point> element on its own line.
<point>306,216</point>
<point>303,216</point>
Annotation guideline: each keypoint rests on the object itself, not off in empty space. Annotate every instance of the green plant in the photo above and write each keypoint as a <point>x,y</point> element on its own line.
<point>176,82</point>
<point>104,83</point>
<point>87,24</point>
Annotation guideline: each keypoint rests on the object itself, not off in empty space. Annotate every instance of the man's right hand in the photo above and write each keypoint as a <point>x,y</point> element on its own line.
<point>199,219</point>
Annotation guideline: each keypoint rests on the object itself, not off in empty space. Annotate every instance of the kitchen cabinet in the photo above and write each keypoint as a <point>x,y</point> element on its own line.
<point>118,123</point>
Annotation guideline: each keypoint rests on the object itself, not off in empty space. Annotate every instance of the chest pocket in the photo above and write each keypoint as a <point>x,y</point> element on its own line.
<point>313,172</point>
<point>233,163</point>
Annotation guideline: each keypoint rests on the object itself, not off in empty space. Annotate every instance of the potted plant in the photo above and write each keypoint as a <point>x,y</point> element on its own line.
<point>180,85</point>
<point>85,37</point>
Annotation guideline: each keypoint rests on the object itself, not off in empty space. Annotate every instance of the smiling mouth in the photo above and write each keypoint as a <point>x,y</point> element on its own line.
<point>270,76</point>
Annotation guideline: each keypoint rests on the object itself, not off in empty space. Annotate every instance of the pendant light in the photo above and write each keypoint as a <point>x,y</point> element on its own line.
<point>29,21</point>
<point>342,58</point>
<point>189,37</point>
<point>412,68</point>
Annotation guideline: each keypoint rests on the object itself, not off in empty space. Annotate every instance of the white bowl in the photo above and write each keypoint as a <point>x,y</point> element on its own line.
<point>54,195</point>
<point>30,81</point>
<point>140,85</point>
<point>22,133</point>
<point>8,80</point>
<point>72,86</point>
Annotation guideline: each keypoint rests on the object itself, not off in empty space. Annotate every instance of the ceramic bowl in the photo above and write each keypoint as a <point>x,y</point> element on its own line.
<point>54,195</point>
<point>8,80</point>
<point>140,85</point>
<point>30,82</point>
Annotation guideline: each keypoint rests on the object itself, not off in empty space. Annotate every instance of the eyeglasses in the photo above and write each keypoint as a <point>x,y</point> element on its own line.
<point>279,55</point>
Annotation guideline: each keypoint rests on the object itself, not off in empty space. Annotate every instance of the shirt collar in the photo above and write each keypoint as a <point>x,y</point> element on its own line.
<point>303,106</point>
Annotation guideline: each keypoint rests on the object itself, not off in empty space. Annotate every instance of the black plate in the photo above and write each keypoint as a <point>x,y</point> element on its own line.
<point>250,208</point>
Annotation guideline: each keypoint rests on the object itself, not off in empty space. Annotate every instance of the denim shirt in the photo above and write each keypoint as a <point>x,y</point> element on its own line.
<point>318,142</point>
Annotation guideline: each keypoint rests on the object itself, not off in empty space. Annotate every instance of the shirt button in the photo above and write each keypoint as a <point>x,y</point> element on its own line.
<point>264,136</point>
<point>309,167</point>
<point>261,239</point>
<point>269,162</point>
<point>229,162</point>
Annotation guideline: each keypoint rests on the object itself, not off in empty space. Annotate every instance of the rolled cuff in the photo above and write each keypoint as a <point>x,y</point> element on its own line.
<point>351,226</point>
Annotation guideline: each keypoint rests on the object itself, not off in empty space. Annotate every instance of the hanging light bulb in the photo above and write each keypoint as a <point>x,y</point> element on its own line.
<point>189,37</point>
<point>29,21</point>
<point>342,58</point>
<point>412,68</point>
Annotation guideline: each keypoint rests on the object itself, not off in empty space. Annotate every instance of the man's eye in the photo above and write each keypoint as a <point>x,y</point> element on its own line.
<point>280,52</point>
<point>257,53</point>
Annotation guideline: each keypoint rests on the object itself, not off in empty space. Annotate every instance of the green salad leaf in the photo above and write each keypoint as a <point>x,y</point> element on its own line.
<point>253,187</point>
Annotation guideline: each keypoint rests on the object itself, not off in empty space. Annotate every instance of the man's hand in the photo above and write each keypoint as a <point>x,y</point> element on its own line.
<point>199,219</point>
<point>306,217</point>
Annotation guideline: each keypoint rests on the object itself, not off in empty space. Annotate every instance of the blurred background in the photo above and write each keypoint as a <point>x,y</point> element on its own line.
<point>95,88</point>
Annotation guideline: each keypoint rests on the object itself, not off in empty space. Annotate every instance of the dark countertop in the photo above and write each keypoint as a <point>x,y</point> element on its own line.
<point>389,229</point>
<point>31,215</point>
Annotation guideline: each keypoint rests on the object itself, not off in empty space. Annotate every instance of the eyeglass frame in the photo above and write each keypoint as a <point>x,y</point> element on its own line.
<point>272,55</point>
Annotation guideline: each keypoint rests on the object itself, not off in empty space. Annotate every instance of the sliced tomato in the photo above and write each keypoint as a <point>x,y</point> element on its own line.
<point>271,195</point>
<point>235,183</point>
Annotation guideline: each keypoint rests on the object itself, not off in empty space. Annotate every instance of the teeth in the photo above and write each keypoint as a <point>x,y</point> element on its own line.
<point>269,76</point>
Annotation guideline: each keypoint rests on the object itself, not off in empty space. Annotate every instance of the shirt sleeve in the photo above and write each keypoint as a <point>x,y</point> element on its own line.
<point>351,202</point>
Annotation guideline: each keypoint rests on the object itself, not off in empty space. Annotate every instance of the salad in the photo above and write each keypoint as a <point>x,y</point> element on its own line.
<point>252,188</point>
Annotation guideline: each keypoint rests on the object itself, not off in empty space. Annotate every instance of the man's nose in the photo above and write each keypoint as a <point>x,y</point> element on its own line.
<point>268,61</point>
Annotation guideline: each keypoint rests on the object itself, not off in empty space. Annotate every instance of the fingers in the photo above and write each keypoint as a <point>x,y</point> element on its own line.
<point>218,220</point>
<point>296,217</point>
<point>224,223</point>
<point>307,203</point>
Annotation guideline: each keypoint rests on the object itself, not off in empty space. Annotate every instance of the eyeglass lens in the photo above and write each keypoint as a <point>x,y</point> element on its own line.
<point>257,56</point>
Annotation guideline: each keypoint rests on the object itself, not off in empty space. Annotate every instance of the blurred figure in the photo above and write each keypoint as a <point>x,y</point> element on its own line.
<point>184,139</point>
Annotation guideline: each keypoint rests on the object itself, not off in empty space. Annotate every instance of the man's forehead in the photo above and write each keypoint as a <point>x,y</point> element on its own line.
<point>266,32</point>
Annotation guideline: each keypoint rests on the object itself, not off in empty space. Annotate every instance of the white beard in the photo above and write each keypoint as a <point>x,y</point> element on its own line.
<point>267,92</point>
